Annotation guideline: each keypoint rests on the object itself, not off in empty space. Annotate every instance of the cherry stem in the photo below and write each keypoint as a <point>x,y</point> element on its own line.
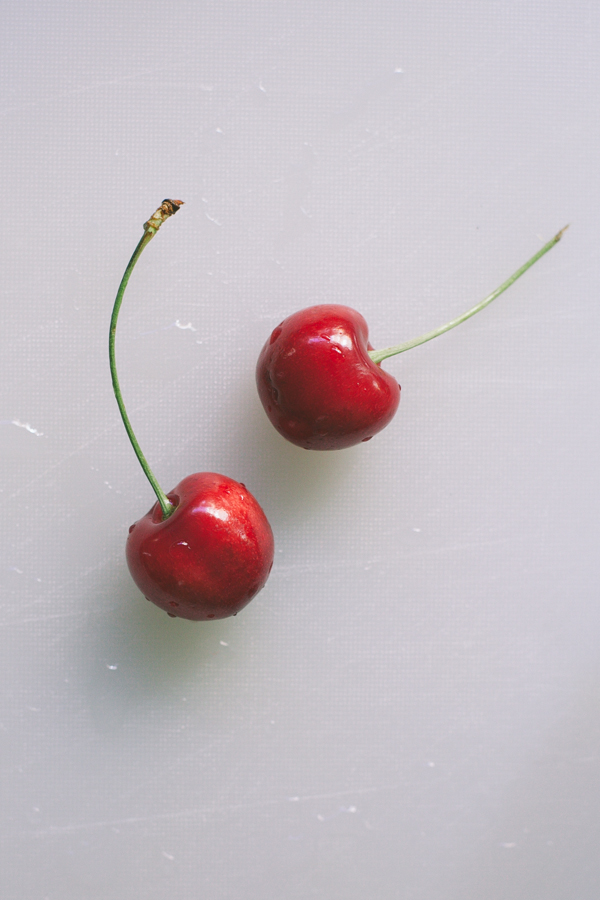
<point>166,209</point>
<point>378,355</point>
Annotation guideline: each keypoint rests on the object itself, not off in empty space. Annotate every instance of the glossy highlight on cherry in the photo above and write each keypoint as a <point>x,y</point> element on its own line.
<point>320,381</point>
<point>205,549</point>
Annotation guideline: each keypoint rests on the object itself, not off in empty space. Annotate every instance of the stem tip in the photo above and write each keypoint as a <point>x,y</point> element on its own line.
<point>167,208</point>
<point>173,207</point>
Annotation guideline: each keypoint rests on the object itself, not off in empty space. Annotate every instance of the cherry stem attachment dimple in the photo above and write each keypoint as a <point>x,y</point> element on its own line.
<point>378,355</point>
<point>165,210</point>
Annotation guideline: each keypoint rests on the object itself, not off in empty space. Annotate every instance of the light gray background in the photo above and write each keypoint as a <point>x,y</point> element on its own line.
<point>411,707</point>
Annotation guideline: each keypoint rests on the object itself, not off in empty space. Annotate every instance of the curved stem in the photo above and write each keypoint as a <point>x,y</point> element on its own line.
<point>166,209</point>
<point>378,355</point>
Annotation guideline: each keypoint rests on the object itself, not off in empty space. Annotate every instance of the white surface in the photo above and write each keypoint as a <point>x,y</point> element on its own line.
<point>411,707</point>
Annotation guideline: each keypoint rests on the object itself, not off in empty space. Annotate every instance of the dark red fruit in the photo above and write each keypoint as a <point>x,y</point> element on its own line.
<point>210,557</point>
<point>318,384</point>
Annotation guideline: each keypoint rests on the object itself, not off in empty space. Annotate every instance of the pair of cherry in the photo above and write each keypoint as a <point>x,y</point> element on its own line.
<point>204,550</point>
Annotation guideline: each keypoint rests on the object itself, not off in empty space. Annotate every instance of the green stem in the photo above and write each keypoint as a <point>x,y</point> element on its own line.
<point>378,355</point>
<point>166,209</point>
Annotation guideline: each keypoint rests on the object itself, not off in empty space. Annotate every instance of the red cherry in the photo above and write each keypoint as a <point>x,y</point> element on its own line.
<point>210,557</point>
<point>318,384</point>
<point>321,382</point>
<point>204,550</point>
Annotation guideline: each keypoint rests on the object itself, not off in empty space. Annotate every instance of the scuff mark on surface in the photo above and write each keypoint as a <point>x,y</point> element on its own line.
<point>24,425</point>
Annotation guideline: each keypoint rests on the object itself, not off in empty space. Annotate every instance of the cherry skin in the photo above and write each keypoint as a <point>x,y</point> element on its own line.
<point>210,557</point>
<point>318,384</point>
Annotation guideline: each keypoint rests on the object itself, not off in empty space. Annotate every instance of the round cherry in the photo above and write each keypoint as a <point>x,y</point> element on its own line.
<point>321,382</point>
<point>210,557</point>
<point>204,550</point>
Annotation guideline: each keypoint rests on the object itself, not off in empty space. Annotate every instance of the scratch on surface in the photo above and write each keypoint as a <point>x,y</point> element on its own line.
<point>213,220</point>
<point>64,459</point>
<point>349,793</point>
<point>175,324</point>
<point>66,615</point>
<point>24,425</point>
<point>355,562</point>
<point>86,88</point>
<point>214,809</point>
<point>54,592</point>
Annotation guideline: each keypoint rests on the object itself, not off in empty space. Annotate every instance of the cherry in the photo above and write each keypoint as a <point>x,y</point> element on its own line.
<point>212,554</point>
<point>318,384</point>
<point>321,382</point>
<point>204,550</point>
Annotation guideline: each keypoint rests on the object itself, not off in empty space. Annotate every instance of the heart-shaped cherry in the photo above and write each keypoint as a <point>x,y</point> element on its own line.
<point>206,549</point>
<point>321,382</point>
<point>318,384</point>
